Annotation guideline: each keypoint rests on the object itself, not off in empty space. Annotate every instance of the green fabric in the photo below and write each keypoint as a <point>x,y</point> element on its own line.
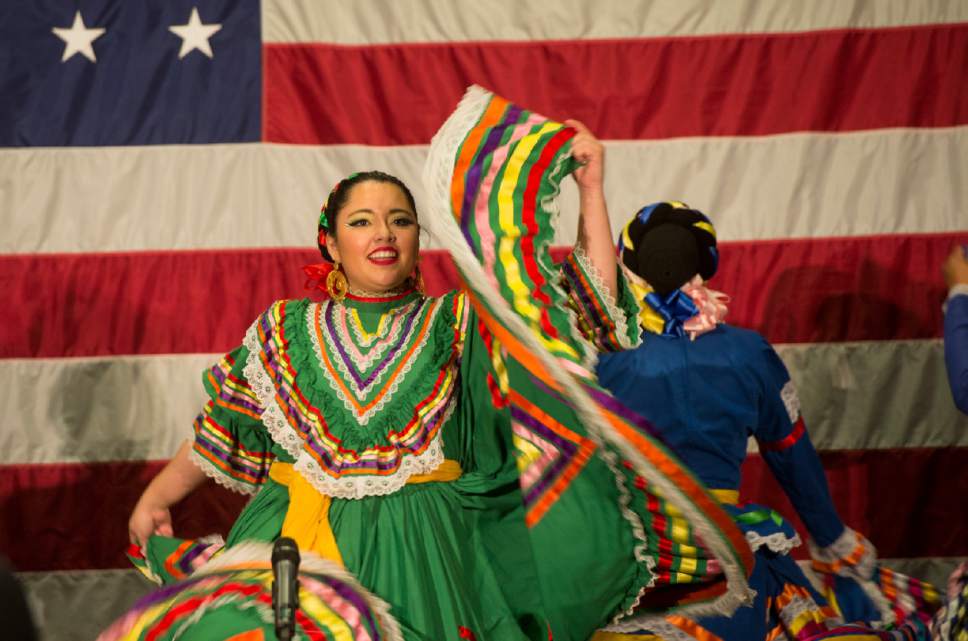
<point>446,555</point>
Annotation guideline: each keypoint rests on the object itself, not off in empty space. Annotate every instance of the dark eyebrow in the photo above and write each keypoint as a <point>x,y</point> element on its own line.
<point>392,211</point>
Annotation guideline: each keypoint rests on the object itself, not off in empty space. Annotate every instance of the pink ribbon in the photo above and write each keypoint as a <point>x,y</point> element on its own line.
<point>711,305</point>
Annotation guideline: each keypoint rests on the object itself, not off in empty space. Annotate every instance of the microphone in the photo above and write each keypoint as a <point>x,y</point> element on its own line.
<point>285,587</point>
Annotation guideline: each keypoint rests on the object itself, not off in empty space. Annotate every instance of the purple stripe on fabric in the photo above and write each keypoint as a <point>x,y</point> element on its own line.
<point>219,373</point>
<point>404,336</point>
<point>233,462</point>
<point>612,404</point>
<point>473,181</point>
<point>241,400</point>
<point>583,295</point>
<point>282,388</point>
<point>566,447</point>
<point>350,594</point>
<point>228,394</point>
<point>163,593</point>
<point>185,563</point>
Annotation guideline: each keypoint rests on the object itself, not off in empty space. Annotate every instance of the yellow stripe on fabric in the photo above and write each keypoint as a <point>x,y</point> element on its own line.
<point>810,616</point>
<point>307,518</point>
<point>443,395</point>
<point>500,368</point>
<point>528,452</point>
<point>508,225</point>
<point>688,565</point>
<point>510,233</point>
<point>236,452</point>
<point>149,616</point>
<point>242,389</point>
<point>320,611</point>
<point>679,531</point>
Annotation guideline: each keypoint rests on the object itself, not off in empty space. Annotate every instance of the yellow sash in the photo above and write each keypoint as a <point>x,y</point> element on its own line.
<point>307,519</point>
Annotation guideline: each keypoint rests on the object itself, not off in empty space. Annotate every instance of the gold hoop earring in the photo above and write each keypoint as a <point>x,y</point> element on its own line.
<point>418,281</point>
<point>336,284</point>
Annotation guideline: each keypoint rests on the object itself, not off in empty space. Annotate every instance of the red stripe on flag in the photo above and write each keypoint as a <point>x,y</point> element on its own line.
<point>837,289</point>
<point>907,501</point>
<point>726,85</point>
<point>807,290</point>
<point>74,517</point>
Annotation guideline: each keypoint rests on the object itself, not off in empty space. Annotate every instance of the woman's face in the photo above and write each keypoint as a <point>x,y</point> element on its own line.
<point>377,237</point>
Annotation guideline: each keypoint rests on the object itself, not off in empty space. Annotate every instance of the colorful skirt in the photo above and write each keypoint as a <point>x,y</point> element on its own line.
<point>230,599</point>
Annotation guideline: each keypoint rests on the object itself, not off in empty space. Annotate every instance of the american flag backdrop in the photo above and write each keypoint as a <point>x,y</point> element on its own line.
<point>163,163</point>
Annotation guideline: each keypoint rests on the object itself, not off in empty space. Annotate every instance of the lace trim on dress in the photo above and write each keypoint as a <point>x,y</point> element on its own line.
<point>638,530</point>
<point>261,384</point>
<point>357,487</point>
<point>611,306</point>
<point>344,487</point>
<point>777,542</point>
<point>861,570</point>
<point>791,401</point>
<point>797,606</point>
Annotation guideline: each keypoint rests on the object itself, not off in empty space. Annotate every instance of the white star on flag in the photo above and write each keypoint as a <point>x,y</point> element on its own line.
<point>195,35</point>
<point>78,39</point>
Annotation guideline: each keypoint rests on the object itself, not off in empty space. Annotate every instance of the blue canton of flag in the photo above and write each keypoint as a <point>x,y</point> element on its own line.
<point>96,72</point>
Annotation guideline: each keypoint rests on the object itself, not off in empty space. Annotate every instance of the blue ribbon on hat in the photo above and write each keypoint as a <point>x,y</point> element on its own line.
<point>675,308</point>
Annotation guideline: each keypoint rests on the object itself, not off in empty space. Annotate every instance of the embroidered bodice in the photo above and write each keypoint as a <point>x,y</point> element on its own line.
<point>355,394</point>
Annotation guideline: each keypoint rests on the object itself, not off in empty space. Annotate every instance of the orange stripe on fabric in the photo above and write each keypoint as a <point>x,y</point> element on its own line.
<point>689,486</point>
<point>230,406</point>
<point>389,383</point>
<point>585,450</point>
<point>252,455</point>
<point>170,561</point>
<point>224,467</point>
<point>691,627</point>
<point>492,115</point>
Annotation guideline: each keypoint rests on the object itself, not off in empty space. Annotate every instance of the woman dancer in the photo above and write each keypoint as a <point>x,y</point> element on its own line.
<point>414,441</point>
<point>710,387</point>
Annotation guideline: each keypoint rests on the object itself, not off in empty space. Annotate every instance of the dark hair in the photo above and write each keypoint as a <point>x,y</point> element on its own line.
<point>667,243</point>
<point>341,193</point>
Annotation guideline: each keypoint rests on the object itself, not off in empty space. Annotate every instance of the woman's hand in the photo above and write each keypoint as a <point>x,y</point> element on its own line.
<point>955,267</point>
<point>175,481</point>
<point>146,520</point>
<point>586,148</point>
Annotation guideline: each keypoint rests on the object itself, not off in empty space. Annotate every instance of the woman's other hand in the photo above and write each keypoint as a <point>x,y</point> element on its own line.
<point>587,149</point>
<point>955,267</point>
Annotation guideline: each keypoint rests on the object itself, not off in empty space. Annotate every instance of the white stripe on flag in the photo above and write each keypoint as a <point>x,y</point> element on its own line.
<point>141,407</point>
<point>257,195</point>
<point>368,23</point>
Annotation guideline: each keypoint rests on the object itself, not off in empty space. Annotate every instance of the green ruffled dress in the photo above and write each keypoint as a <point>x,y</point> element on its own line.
<point>551,527</point>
